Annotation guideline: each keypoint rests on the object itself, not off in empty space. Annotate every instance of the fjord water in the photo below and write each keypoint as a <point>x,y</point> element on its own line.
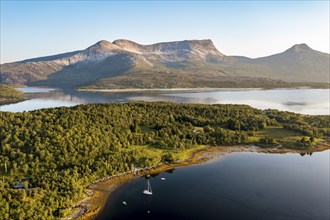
<point>306,101</point>
<point>237,186</point>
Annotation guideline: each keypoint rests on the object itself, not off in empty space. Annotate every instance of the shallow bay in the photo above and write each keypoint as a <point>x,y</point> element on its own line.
<point>237,186</point>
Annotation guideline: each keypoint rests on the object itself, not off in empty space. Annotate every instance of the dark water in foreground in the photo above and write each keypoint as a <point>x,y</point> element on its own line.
<point>238,186</point>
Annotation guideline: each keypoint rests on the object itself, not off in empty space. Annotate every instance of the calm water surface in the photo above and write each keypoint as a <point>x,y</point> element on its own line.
<point>237,186</point>
<point>307,101</point>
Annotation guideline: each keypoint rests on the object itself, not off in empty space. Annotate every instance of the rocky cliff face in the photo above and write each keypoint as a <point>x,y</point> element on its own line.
<point>162,52</point>
<point>198,57</point>
<point>31,70</point>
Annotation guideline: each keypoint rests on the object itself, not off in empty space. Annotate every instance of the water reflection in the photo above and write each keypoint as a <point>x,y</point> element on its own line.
<point>303,154</point>
<point>306,101</point>
<point>36,89</point>
<point>34,104</point>
<point>170,171</point>
<point>295,103</point>
<point>58,95</point>
<point>238,186</point>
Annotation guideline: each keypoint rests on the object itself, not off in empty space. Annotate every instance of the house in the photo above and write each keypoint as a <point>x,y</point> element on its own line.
<point>19,186</point>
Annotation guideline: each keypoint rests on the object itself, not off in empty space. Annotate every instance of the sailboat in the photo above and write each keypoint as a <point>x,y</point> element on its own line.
<point>148,191</point>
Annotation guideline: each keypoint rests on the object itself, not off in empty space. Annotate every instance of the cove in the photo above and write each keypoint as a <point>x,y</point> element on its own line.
<point>236,186</point>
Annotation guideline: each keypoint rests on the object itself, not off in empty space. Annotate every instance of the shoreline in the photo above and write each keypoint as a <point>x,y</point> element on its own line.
<point>9,102</point>
<point>206,89</point>
<point>100,190</point>
<point>197,89</point>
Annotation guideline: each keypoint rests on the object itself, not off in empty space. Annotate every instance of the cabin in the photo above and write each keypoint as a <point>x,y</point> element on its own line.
<point>19,186</point>
<point>136,169</point>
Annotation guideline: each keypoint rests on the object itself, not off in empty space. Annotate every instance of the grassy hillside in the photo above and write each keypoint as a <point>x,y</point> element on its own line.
<point>10,95</point>
<point>194,78</point>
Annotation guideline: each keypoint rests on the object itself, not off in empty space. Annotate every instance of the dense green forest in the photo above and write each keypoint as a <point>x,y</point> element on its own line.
<point>58,152</point>
<point>9,94</point>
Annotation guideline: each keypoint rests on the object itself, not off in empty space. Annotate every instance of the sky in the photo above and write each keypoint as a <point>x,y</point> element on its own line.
<point>251,28</point>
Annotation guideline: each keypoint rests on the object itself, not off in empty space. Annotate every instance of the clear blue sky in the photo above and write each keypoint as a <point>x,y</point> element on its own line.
<point>251,28</point>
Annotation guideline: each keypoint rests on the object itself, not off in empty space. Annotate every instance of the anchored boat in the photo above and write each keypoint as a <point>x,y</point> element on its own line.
<point>147,191</point>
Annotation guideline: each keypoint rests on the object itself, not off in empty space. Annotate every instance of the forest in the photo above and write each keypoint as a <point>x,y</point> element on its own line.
<point>56,153</point>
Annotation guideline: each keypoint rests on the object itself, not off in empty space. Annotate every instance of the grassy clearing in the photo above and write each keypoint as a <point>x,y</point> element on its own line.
<point>199,128</point>
<point>146,129</point>
<point>155,154</point>
<point>276,132</point>
<point>281,135</point>
<point>187,153</point>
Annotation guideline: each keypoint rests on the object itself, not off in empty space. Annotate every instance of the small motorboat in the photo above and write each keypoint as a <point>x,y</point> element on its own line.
<point>124,203</point>
<point>163,178</point>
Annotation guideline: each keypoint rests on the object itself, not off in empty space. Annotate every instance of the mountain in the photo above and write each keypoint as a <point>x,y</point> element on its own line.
<point>298,63</point>
<point>189,63</point>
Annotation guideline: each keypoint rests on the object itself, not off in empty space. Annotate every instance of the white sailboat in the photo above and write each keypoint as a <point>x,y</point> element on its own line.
<point>148,191</point>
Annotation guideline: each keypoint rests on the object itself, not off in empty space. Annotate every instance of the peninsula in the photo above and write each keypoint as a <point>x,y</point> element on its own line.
<point>57,153</point>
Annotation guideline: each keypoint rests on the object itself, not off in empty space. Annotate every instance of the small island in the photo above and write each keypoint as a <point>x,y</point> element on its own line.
<point>57,153</point>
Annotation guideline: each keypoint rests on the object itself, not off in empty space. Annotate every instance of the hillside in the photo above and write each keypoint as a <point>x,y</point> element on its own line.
<point>298,63</point>
<point>189,63</point>
<point>10,95</point>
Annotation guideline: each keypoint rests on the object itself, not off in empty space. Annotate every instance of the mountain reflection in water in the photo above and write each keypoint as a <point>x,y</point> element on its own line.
<point>305,101</point>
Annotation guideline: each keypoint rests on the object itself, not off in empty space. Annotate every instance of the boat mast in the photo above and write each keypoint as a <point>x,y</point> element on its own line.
<point>149,186</point>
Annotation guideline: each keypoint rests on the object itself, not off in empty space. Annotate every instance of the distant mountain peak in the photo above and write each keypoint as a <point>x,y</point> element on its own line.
<point>103,45</point>
<point>121,42</point>
<point>128,45</point>
<point>300,47</point>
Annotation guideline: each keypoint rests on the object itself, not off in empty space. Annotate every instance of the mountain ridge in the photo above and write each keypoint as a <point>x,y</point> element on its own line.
<point>121,62</point>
